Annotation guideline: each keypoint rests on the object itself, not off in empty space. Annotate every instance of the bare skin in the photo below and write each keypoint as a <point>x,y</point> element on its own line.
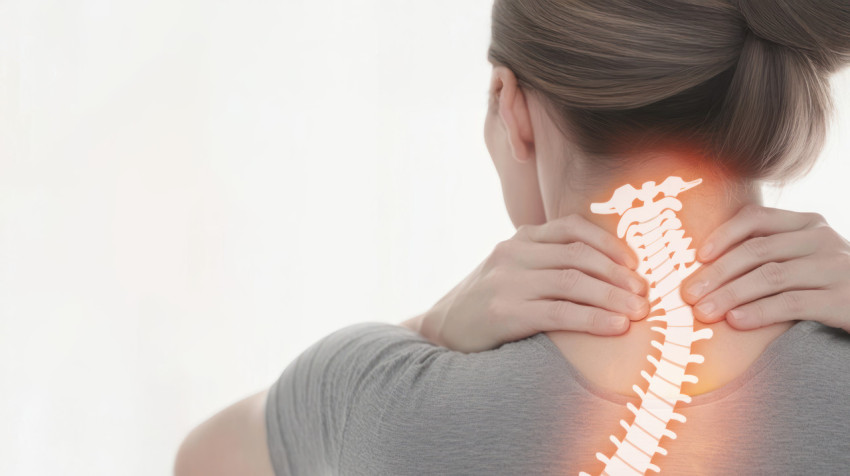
<point>566,274</point>
<point>233,441</point>
<point>543,184</point>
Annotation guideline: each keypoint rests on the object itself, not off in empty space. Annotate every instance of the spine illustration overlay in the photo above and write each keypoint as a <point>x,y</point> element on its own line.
<point>649,224</point>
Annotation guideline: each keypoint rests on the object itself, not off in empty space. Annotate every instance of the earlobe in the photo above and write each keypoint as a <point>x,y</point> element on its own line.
<point>513,111</point>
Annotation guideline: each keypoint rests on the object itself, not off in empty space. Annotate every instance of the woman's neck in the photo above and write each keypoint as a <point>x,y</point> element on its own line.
<point>613,362</point>
<point>704,207</point>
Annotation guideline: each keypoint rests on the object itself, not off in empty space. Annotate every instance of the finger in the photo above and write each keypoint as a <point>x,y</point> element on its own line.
<point>747,256</point>
<point>754,220</point>
<point>766,280</point>
<point>818,305</point>
<point>583,257</point>
<point>577,228</point>
<point>555,315</point>
<point>575,286</point>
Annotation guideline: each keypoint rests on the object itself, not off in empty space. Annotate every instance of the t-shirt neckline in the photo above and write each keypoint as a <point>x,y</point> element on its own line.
<point>773,349</point>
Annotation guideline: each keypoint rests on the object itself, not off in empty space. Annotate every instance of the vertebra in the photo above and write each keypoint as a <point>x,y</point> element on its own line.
<point>654,232</point>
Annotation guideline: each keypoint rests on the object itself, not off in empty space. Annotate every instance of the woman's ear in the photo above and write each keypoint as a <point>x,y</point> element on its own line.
<point>509,137</point>
<point>514,114</point>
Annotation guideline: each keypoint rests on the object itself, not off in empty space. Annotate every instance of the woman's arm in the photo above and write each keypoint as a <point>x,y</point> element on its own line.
<point>769,265</point>
<point>329,394</point>
<point>233,441</point>
<point>566,274</point>
<point>765,265</point>
<point>414,323</point>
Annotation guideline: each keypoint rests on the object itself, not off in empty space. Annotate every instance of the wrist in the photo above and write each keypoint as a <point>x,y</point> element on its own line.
<point>430,325</point>
<point>414,323</point>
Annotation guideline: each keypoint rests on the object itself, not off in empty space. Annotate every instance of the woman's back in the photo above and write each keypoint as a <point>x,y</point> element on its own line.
<point>587,97</point>
<point>378,399</point>
<point>614,362</point>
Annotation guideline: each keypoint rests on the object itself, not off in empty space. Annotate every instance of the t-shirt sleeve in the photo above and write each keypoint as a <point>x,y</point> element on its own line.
<point>308,406</point>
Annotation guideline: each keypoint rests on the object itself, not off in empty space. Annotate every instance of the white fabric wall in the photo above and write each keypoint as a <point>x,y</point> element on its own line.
<point>193,192</point>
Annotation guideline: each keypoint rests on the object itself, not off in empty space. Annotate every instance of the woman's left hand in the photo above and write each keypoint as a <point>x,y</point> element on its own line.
<point>786,266</point>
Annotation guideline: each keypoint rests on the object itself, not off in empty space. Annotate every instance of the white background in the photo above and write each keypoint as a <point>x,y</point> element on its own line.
<point>193,192</point>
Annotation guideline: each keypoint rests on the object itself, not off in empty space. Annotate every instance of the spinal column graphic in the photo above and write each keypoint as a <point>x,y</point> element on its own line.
<point>654,232</point>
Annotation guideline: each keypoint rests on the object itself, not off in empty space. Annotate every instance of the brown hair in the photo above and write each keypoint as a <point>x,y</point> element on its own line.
<point>746,82</point>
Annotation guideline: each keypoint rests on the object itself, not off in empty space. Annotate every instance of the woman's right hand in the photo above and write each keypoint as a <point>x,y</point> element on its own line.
<point>566,274</point>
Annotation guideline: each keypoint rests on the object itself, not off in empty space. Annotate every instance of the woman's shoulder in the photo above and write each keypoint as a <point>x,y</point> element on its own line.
<point>389,354</point>
<point>420,403</point>
<point>827,335</point>
<point>817,343</point>
<point>395,340</point>
<point>822,352</point>
<point>806,364</point>
<point>397,365</point>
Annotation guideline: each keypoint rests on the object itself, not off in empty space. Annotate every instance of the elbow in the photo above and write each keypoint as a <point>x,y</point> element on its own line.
<point>190,457</point>
<point>232,441</point>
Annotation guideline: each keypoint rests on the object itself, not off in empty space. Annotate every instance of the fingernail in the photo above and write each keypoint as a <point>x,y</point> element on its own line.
<point>637,303</point>
<point>738,316</point>
<point>706,250</point>
<point>697,289</point>
<point>706,308</point>
<point>635,285</point>
<point>617,322</point>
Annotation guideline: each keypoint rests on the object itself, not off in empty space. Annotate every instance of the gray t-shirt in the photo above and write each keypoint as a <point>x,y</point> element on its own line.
<point>378,399</point>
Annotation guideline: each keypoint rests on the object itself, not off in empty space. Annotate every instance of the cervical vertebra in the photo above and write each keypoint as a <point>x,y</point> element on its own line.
<point>654,233</point>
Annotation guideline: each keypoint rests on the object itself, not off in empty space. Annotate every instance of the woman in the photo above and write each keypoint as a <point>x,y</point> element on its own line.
<point>587,96</point>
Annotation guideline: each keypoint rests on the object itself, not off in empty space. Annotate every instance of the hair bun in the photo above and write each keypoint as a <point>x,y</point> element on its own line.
<point>818,28</point>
